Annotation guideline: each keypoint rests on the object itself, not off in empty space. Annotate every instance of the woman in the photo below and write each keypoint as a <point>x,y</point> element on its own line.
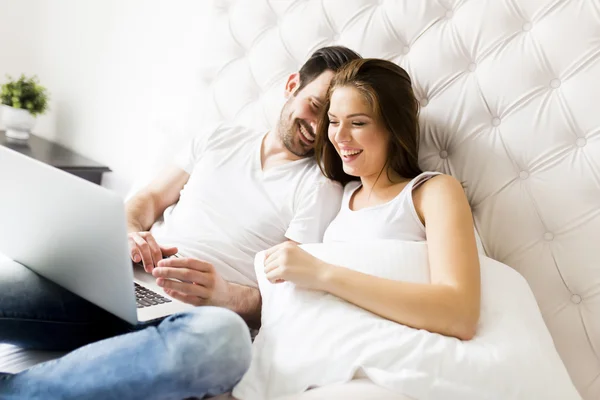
<point>368,140</point>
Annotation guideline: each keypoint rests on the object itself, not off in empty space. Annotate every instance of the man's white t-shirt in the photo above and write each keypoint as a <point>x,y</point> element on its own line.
<point>230,209</point>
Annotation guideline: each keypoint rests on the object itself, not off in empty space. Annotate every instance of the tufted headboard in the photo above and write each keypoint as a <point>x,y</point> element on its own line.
<point>510,105</point>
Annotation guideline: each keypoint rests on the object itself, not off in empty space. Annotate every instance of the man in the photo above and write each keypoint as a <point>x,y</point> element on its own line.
<point>234,192</point>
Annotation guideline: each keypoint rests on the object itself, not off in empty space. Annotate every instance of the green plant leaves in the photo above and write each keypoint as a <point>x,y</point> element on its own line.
<point>25,93</point>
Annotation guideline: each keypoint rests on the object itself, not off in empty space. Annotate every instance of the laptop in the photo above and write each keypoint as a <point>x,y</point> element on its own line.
<point>73,232</point>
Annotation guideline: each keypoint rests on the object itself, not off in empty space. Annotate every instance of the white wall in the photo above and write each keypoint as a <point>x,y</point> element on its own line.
<point>122,76</point>
<point>16,43</point>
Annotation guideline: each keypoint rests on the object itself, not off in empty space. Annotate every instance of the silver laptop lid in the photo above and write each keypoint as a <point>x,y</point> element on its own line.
<point>68,230</point>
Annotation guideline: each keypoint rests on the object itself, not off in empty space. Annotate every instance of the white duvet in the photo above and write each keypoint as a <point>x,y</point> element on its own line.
<point>313,339</point>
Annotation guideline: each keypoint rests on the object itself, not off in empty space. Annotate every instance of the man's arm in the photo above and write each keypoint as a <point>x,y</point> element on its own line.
<point>247,302</point>
<point>143,209</point>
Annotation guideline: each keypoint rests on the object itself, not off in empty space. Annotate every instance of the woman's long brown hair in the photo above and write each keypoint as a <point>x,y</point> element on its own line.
<point>388,89</point>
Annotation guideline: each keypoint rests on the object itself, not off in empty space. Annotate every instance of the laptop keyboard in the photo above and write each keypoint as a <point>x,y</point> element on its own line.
<point>146,297</point>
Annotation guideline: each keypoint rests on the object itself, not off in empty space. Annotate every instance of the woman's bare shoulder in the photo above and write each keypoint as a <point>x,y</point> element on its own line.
<point>439,191</point>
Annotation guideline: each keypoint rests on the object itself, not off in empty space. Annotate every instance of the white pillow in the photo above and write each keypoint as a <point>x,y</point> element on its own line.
<point>311,338</point>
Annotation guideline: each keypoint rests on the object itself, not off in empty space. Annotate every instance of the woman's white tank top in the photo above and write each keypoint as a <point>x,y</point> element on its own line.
<point>396,219</point>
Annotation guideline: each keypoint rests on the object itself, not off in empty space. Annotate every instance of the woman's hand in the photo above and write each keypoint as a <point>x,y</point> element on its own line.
<point>288,262</point>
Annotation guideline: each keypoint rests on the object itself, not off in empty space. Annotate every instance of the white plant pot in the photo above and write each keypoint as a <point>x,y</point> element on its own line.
<point>18,122</point>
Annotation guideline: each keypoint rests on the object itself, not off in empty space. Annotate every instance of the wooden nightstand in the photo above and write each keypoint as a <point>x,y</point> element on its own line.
<point>58,156</point>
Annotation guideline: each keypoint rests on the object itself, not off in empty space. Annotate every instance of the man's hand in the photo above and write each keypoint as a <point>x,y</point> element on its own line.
<point>143,247</point>
<point>201,284</point>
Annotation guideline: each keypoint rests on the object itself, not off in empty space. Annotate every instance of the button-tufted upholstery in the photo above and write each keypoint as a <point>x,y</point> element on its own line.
<point>510,105</point>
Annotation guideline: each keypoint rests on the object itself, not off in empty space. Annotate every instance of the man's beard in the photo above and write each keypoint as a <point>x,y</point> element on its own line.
<point>288,129</point>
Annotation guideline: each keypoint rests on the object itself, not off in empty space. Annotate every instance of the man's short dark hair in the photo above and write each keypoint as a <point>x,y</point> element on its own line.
<point>326,58</point>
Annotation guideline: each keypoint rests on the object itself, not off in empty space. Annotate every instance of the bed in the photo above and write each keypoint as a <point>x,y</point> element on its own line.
<point>509,93</point>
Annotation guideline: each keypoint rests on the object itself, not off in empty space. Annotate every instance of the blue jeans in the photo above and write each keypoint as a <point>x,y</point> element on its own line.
<point>200,353</point>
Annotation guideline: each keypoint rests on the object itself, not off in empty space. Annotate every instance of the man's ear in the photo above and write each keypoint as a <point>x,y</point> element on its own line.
<point>292,84</point>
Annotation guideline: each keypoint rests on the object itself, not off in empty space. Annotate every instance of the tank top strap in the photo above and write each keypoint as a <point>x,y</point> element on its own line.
<point>421,178</point>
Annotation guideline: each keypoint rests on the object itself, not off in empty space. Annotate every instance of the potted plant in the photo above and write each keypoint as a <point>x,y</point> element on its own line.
<point>22,100</point>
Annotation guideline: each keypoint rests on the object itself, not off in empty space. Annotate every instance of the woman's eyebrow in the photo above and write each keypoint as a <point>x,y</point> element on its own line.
<point>351,115</point>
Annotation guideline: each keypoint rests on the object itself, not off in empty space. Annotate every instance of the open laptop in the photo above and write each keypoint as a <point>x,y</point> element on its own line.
<point>74,233</point>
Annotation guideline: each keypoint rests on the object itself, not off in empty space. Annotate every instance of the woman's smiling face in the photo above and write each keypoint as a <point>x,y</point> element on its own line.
<point>356,133</point>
